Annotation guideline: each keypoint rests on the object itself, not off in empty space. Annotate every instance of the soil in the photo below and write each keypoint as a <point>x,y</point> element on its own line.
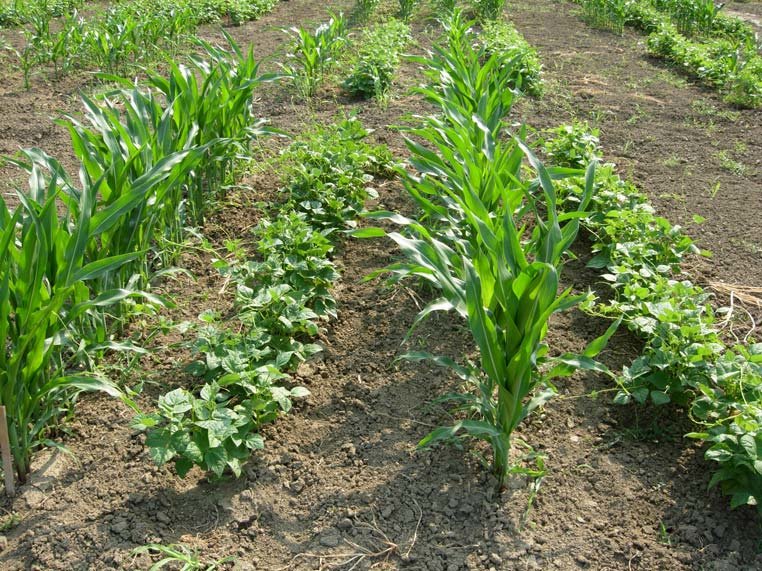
<point>340,484</point>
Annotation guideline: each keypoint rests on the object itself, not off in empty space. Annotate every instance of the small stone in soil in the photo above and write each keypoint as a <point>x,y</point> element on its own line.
<point>330,538</point>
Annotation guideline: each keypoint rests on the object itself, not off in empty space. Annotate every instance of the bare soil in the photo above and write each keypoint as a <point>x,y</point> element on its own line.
<point>340,483</point>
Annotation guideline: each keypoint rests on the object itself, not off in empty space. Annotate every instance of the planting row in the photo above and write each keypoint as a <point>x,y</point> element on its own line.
<point>720,50</point>
<point>151,163</point>
<point>474,244</point>
<point>282,298</point>
<point>685,359</point>
<point>123,36</point>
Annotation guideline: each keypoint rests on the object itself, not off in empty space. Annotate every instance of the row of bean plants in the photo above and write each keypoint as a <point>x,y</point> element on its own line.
<point>720,50</point>
<point>378,51</point>
<point>501,37</point>
<point>685,359</point>
<point>282,298</point>
<point>73,253</point>
<point>489,239</point>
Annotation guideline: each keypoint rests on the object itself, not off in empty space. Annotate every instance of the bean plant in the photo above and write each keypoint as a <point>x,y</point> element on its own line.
<point>282,299</point>
<point>500,38</point>
<point>378,56</point>
<point>685,359</point>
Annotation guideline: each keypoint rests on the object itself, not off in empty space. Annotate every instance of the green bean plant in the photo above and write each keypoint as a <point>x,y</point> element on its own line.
<point>502,38</point>
<point>488,10</point>
<point>378,57</point>
<point>684,359</point>
<point>282,299</point>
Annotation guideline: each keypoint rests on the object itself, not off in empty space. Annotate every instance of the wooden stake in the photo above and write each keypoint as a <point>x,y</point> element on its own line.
<point>5,446</point>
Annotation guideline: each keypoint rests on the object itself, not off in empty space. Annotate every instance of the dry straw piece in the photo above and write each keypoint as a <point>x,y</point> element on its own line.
<point>747,294</point>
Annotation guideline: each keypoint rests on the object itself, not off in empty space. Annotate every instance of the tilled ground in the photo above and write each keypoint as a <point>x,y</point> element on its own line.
<point>340,483</point>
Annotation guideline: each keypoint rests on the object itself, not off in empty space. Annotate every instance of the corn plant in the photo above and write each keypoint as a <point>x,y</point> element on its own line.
<point>406,9</point>
<point>312,52</point>
<point>493,267</point>
<point>210,105</point>
<point>43,292</point>
<point>690,16</point>
<point>362,11</point>
<point>609,14</point>
<point>125,167</point>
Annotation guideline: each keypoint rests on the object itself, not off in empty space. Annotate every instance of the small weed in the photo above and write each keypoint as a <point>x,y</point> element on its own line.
<point>9,521</point>
<point>731,165</point>
<point>664,535</point>
<point>637,115</point>
<point>188,559</point>
<point>673,161</point>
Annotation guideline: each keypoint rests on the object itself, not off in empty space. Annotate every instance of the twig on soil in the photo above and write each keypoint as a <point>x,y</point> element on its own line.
<point>351,559</point>
<point>747,294</point>
<point>727,322</point>
<point>409,292</point>
<point>415,532</point>
<point>426,424</point>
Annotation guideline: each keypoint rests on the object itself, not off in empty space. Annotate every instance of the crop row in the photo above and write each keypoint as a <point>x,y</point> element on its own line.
<point>151,163</point>
<point>685,359</point>
<point>488,238</point>
<point>719,50</point>
<point>125,35</point>
<point>282,298</point>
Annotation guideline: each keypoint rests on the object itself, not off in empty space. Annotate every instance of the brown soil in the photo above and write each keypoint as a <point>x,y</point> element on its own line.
<point>340,483</point>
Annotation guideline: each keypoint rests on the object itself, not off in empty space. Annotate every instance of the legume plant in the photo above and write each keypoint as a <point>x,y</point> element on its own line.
<point>281,300</point>
<point>500,38</point>
<point>685,359</point>
<point>718,49</point>
<point>378,55</point>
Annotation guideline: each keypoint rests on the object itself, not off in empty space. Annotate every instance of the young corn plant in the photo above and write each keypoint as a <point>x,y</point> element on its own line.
<point>126,173</point>
<point>493,243</point>
<point>607,14</point>
<point>210,105</point>
<point>406,9</point>
<point>44,291</point>
<point>313,52</point>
